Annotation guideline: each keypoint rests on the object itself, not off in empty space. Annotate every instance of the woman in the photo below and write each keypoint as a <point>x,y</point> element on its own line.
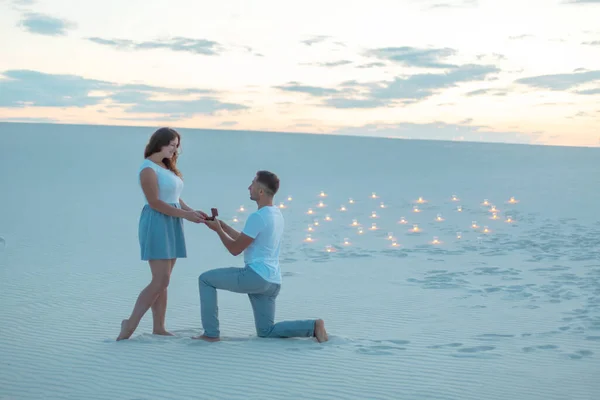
<point>161,235</point>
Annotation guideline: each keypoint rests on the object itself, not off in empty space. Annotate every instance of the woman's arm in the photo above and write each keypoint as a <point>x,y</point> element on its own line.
<point>184,206</point>
<point>188,208</point>
<point>149,183</point>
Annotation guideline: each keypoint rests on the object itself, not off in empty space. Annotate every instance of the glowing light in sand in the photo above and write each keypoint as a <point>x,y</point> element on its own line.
<point>309,239</point>
<point>360,231</point>
<point>416,209</point>
<point>435,240</point>
<point>329,248</point>
<point>512,200</point>
<point>486,202</point>
<point>235,219</point>
<point>373,214</point>
<point>486,229</point>
<point>382,205</point>
<point>346,242</point>
<point>373,226</point>
<point>327,217</point>
<point>474,225</point>
<point>439,218</point>
<point>322,194</point>
<point>289,198</point>
<point>321,204</point>
<point>403,220</point>
<point>509,219</point>
<point>343,208</point>
<point>394,244</point>
<point>459,208</point>
<point>310,211</point>
<point>310,228</point>
<point>390,235</point>
<point>316,222</point>
<point>493,209</point>
<point>415,228</point>
<point>351,200</point>
<point>281,205</point>
<point>459,235</point>
<point>420,200</point>
<point>374,195</point>
<point>455,198</point>
<point>241,209</point>
<point>354,222</point>
<point>494,216</point>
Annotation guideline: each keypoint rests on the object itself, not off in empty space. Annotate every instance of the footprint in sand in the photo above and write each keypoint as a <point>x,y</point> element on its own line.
<point>378,350</point>
<point>578,355</point>
<point>530,349</point>
<point>493,337</point>
<point>443,346</point>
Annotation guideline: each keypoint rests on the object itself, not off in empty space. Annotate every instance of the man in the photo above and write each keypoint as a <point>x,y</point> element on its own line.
<point>260,278</point>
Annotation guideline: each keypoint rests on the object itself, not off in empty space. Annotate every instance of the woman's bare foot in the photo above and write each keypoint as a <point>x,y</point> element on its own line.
<point>126,332</point>
<point>206,338</point>
<point>162,332</point>
<point>320,332</point>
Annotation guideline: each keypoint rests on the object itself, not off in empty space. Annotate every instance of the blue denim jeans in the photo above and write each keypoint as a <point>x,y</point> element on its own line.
<point>262,295</point>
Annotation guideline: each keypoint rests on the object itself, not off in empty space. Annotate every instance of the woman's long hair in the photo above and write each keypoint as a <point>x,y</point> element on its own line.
<point>163,137</point>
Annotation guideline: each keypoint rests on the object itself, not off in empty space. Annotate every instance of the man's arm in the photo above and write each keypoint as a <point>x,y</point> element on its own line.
<point>234,246</point>
<point>229,230</point>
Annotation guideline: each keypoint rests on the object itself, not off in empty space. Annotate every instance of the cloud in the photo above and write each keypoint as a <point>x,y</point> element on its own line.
<point>414,57</point>
<point>26,88</point>
<point>330,64</point>
<point>372,65</point>
<point>493,92</point>
<point>29,119</point>
<point>311,90</point>
<point>520,37</point>
<point>589,91</point>
<point>560,81</point>
<point>462,4</point>
<point>179,44</point>
<point>592,43</point>
<point>582,1</point>
<point>401,90</point>
<point>439,131</point>
<point>45,25</point>
<point>315,40</point>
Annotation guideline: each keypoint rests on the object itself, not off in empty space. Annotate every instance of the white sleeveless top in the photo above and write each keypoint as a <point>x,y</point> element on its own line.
<point>169,184</point>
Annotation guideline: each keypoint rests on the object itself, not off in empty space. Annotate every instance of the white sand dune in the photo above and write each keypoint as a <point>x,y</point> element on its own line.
<point>513,313</point>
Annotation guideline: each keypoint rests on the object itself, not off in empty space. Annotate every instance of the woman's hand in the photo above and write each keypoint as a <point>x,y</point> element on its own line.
<point>202,213</point>
<point>194,216</point>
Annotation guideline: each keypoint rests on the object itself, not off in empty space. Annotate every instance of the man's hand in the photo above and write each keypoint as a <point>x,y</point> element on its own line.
<point>213,225</point>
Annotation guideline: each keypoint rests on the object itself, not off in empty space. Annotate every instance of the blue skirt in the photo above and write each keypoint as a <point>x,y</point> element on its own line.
<point>161,236</point>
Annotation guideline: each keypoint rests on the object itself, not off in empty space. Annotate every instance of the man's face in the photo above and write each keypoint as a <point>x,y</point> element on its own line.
<point>254,190</point>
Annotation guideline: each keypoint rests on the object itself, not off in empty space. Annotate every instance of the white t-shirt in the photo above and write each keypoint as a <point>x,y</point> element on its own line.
<point>169,184</point>
<point>266,226</point>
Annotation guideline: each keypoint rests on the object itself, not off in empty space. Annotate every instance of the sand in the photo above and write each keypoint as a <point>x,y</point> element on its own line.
<point>511,313</point>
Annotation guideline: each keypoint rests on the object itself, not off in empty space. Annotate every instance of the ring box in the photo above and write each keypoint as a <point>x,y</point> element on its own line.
<point>214,212</point>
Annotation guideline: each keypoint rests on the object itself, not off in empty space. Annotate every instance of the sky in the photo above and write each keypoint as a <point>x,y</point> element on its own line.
<point>466,70</point>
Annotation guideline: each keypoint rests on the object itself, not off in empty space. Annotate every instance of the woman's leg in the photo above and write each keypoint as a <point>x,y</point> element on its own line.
<point>159,310</point>
<point>161,273</point>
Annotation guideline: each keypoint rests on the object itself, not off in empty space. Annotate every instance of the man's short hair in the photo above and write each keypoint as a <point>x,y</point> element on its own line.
<point>269,180</point>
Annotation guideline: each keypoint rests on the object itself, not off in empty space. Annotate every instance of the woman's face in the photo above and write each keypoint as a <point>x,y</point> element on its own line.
<point>169,150</point>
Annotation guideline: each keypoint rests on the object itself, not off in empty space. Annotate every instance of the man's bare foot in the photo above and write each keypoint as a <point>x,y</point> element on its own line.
<point>320,332</point>
<point>162,332</point>
<point>126,332</point>
<point>206,338</point>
